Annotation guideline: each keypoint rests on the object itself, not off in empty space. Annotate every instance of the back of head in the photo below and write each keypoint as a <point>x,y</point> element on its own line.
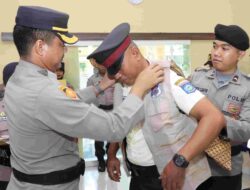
<point>233,35</point>
<point>33,22</point>
<point>8,71</point>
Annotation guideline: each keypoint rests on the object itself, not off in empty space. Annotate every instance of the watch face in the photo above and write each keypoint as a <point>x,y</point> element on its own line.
<point>179,161</point>
<point>135,2</point>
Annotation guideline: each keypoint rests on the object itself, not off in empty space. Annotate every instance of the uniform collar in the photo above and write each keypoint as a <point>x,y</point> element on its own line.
<point>236,78</point>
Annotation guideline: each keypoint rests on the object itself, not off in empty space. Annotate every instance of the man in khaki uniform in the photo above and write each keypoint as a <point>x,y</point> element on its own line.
<point>44,117</point>
<point>167,141</point>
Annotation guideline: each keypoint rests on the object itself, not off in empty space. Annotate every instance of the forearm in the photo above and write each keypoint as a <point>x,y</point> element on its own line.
<point>207,130</point>
<point>237,130</point>
<point>113,149</point>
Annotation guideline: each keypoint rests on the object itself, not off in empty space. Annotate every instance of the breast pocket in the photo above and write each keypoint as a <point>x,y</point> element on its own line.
<point>233,104</point>
<point>232,109</point>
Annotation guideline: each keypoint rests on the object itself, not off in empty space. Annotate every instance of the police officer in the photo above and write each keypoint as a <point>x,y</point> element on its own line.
<point>164,143</point>
<point>44,116</point>
<point>5,169</point>
<point>228,88</point>
<point>105,102</point>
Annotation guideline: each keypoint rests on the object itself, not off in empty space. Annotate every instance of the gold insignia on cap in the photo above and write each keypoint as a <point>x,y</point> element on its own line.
<point>69,92</point>
<point>67,39</point>
<point>59,29</point>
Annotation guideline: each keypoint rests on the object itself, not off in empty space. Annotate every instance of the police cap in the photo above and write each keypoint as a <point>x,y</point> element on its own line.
<point>110,52</point>
<point>45,19</point>
<point>232,34</point>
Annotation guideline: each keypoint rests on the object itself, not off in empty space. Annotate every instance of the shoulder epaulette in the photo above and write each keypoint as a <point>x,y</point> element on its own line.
<point>246,75</point>
<point>202,68</point>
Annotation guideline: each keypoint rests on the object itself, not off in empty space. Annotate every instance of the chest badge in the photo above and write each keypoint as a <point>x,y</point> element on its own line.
<point>156,91</point>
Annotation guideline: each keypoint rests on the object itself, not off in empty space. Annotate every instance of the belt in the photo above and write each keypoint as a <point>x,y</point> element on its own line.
<point>235,150</point>
<point>52,178</point>
<point>143,171</point>
<point>106,107</point>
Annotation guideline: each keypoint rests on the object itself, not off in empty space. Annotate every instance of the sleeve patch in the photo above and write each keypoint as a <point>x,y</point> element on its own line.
<point>187,87</point>
<point>68,92</point>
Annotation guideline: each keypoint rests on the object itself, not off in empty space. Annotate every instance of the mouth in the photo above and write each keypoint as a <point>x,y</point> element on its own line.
<point>216,61</point>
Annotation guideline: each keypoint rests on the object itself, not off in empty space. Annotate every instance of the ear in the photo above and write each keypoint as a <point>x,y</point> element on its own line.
<point>241,54</point>
<point>40,47</point>
<point>135,52</point>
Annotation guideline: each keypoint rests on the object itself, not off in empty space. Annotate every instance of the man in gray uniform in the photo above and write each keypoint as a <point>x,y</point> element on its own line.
<point>167,140</point>
<point>44,116</point>
<point>105,102</point>
<point>229,90</point>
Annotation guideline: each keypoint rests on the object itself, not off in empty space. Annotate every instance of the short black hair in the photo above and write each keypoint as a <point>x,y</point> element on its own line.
<point>62,67</point>
<point>25,38</point>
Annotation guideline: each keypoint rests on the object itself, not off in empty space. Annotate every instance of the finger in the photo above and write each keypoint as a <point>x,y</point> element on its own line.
<point>174,185</point>
<point>156,67</point>
<point>168,184</point>
<point>163,182</point>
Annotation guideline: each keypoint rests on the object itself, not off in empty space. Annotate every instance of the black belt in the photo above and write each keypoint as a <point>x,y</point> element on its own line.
<point>144,171</point>
<point>235,150</point>
<point>52,178</point>
<point>106,107</point>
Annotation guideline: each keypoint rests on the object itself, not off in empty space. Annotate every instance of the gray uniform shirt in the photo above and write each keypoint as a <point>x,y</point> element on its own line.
<point>106,97</point>
<point>42,120</point>
<point>233,99</point>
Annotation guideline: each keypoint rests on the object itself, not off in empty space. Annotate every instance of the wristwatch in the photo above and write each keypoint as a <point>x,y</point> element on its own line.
<point>180,161</point>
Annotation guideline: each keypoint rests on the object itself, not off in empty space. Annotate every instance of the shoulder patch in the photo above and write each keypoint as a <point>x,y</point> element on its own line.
<point>187,86</point>
<point>68,92</point>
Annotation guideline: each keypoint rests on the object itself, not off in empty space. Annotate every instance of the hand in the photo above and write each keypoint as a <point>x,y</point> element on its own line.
<point>147,79</point>
<point>172,177</point>
<point>113,167</point>
<point>106,82</point>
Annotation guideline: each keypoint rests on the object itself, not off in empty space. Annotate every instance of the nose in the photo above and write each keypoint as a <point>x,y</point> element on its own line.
<point>216,52</point>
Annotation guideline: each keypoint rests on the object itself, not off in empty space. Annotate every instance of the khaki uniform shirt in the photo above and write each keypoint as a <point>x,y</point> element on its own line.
<point>43,118</point>
<point>233,99</point>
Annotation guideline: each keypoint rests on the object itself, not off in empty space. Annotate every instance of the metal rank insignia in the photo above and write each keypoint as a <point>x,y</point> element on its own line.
<point>156,91</point>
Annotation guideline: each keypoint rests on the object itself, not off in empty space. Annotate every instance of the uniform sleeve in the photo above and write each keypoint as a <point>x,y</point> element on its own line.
<point>118,94</point>
<point>239,130</point>
<point>184,93</point>
<point>87,95</point>
<point>75,118</point>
